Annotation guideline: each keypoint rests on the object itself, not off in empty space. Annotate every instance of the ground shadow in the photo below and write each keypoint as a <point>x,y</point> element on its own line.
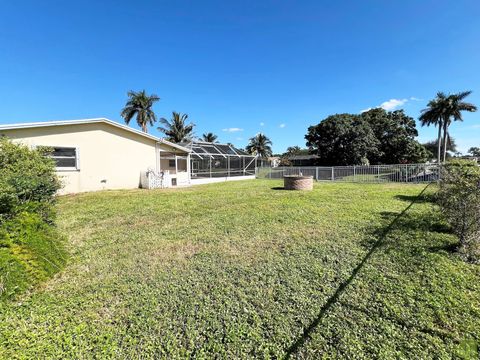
<point>278,188</point>
<point>425,198</point>
<point>382,234</point>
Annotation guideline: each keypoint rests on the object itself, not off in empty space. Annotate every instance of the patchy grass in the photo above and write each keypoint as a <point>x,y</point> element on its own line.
<point>242,270</point>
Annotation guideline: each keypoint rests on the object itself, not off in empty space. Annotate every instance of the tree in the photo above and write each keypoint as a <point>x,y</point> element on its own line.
<point>209,137</point>
<point>475,151</point>
<point>453,111</point>
<point>441,111</point>
<point>176,129</point>
<point>432,146</point>
<point>342,139</point>
<point>295,150</point>
<point>140,105</point>
<point>434,115</point>
<point>259,145</point>
<point>395,132</point>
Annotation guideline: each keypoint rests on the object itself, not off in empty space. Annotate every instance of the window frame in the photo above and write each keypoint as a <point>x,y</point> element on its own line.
<point>76,157</point>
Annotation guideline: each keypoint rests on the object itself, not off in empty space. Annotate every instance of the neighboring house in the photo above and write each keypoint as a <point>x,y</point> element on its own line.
<point>274,161</point>
<point>97,154</point>
<point>303,160</point>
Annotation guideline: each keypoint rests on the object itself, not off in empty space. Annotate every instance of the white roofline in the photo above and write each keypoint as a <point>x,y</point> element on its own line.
<point>90,121</point>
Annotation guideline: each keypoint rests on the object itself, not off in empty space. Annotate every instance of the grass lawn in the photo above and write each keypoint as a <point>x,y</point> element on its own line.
<point>243,270</point>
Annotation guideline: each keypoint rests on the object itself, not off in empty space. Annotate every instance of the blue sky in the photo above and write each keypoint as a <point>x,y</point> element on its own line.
<point>270,66</point>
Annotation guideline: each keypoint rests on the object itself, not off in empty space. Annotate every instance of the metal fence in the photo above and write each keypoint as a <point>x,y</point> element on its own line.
<point>408,173</point>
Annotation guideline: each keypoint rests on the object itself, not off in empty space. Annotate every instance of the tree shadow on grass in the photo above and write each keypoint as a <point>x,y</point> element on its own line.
<point>397,219</point>
<point>424,198</point>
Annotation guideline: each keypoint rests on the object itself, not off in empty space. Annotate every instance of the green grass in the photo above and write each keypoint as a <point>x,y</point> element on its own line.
<point>31,251</point>
<point>242,270</point>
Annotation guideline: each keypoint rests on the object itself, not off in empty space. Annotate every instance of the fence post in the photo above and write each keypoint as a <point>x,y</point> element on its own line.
<point>406,173</point>
<point>316,173</point>
<point>333,174</point>
<point>354,174</point>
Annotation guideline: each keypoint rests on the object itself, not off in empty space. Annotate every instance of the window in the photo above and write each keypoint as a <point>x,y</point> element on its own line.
<point>171,163</point>
<point>65,157</point>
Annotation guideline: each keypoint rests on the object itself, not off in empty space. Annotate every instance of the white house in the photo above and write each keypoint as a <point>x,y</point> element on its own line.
<point>97,154</point>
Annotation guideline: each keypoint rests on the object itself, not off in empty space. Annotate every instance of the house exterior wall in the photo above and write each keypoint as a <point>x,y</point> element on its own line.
<point>109,157</point>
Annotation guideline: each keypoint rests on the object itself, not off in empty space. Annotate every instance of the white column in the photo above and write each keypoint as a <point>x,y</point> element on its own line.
<point>176,166</point>
<point>189,177</point>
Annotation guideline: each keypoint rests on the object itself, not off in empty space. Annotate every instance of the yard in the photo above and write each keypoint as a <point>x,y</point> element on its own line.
<point>243,269</point>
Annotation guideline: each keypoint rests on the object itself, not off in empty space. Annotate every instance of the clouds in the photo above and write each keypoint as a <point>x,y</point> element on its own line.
<point>281,126</point>
<point>393,104</point>
<point>262,124</point>
<point>232,129</point>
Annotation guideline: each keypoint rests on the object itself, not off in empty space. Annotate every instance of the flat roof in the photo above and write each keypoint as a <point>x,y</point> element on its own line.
<point>90,121</point>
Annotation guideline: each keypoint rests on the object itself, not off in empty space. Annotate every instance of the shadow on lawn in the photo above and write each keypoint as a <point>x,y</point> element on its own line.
<point>397,220</point>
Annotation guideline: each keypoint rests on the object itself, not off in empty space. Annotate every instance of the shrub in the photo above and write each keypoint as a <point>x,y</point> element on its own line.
<point>26,176</point>
<point>459,199</point>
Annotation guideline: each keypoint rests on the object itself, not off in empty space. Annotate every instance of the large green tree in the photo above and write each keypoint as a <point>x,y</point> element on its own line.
<point>140,105</point>
<point>396,133</point>
<point>475,151</point>
<point>343,139</point>
<point>259,145</point>
<point>177,129</point>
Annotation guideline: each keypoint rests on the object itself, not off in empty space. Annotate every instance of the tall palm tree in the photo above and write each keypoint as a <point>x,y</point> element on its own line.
<point>176,129</point>
<point>453,111</point>
<point>209,137</point>
<point>441,111</point>
<point>140,105</point>
<point>434,115</point>
<point>260,145</point>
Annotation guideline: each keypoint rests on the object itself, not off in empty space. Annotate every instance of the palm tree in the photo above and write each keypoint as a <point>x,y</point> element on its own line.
<point>453,110</point>
<point>177,130</point>
<point>441,111</point>
<point>433,115</point>
<point>209,137</point>
<point>140,104</point>
<point>260,145</point>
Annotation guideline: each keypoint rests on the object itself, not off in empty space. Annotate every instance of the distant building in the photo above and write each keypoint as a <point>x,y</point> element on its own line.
<point>303,160</point>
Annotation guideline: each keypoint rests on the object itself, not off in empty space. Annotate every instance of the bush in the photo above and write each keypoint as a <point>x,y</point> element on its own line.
<point>459,199</point>
<point>26,176</point>
<point>31,249</point>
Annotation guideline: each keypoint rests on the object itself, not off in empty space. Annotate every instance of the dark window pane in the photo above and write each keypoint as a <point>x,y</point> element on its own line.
<point>65,162</point>
<point>63,152</point>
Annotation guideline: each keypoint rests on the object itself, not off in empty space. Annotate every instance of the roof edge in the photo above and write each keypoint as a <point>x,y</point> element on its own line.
<point>90,121</point>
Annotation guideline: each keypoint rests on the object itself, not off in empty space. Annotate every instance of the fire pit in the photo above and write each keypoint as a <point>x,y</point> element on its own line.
<point>296,182</point>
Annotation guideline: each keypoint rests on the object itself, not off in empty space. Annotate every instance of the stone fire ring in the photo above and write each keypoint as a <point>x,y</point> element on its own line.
<point>295,182</point>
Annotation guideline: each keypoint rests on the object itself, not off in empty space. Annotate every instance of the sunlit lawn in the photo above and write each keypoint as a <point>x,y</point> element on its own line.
<point>243,270</point>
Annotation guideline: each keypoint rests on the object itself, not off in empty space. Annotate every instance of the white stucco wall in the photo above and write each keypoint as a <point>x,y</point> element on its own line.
<point>110,157</point>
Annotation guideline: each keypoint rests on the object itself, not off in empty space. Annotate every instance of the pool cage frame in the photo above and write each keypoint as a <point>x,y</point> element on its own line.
<point>215,160</point>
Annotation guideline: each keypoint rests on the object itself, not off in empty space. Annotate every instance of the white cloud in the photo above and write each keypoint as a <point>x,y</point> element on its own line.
<point>232,129</point>
<point>262,124</point>
<point>392,104</point>
<point>282,125</point>
<point>477,126</point>
<point>239,138</point>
